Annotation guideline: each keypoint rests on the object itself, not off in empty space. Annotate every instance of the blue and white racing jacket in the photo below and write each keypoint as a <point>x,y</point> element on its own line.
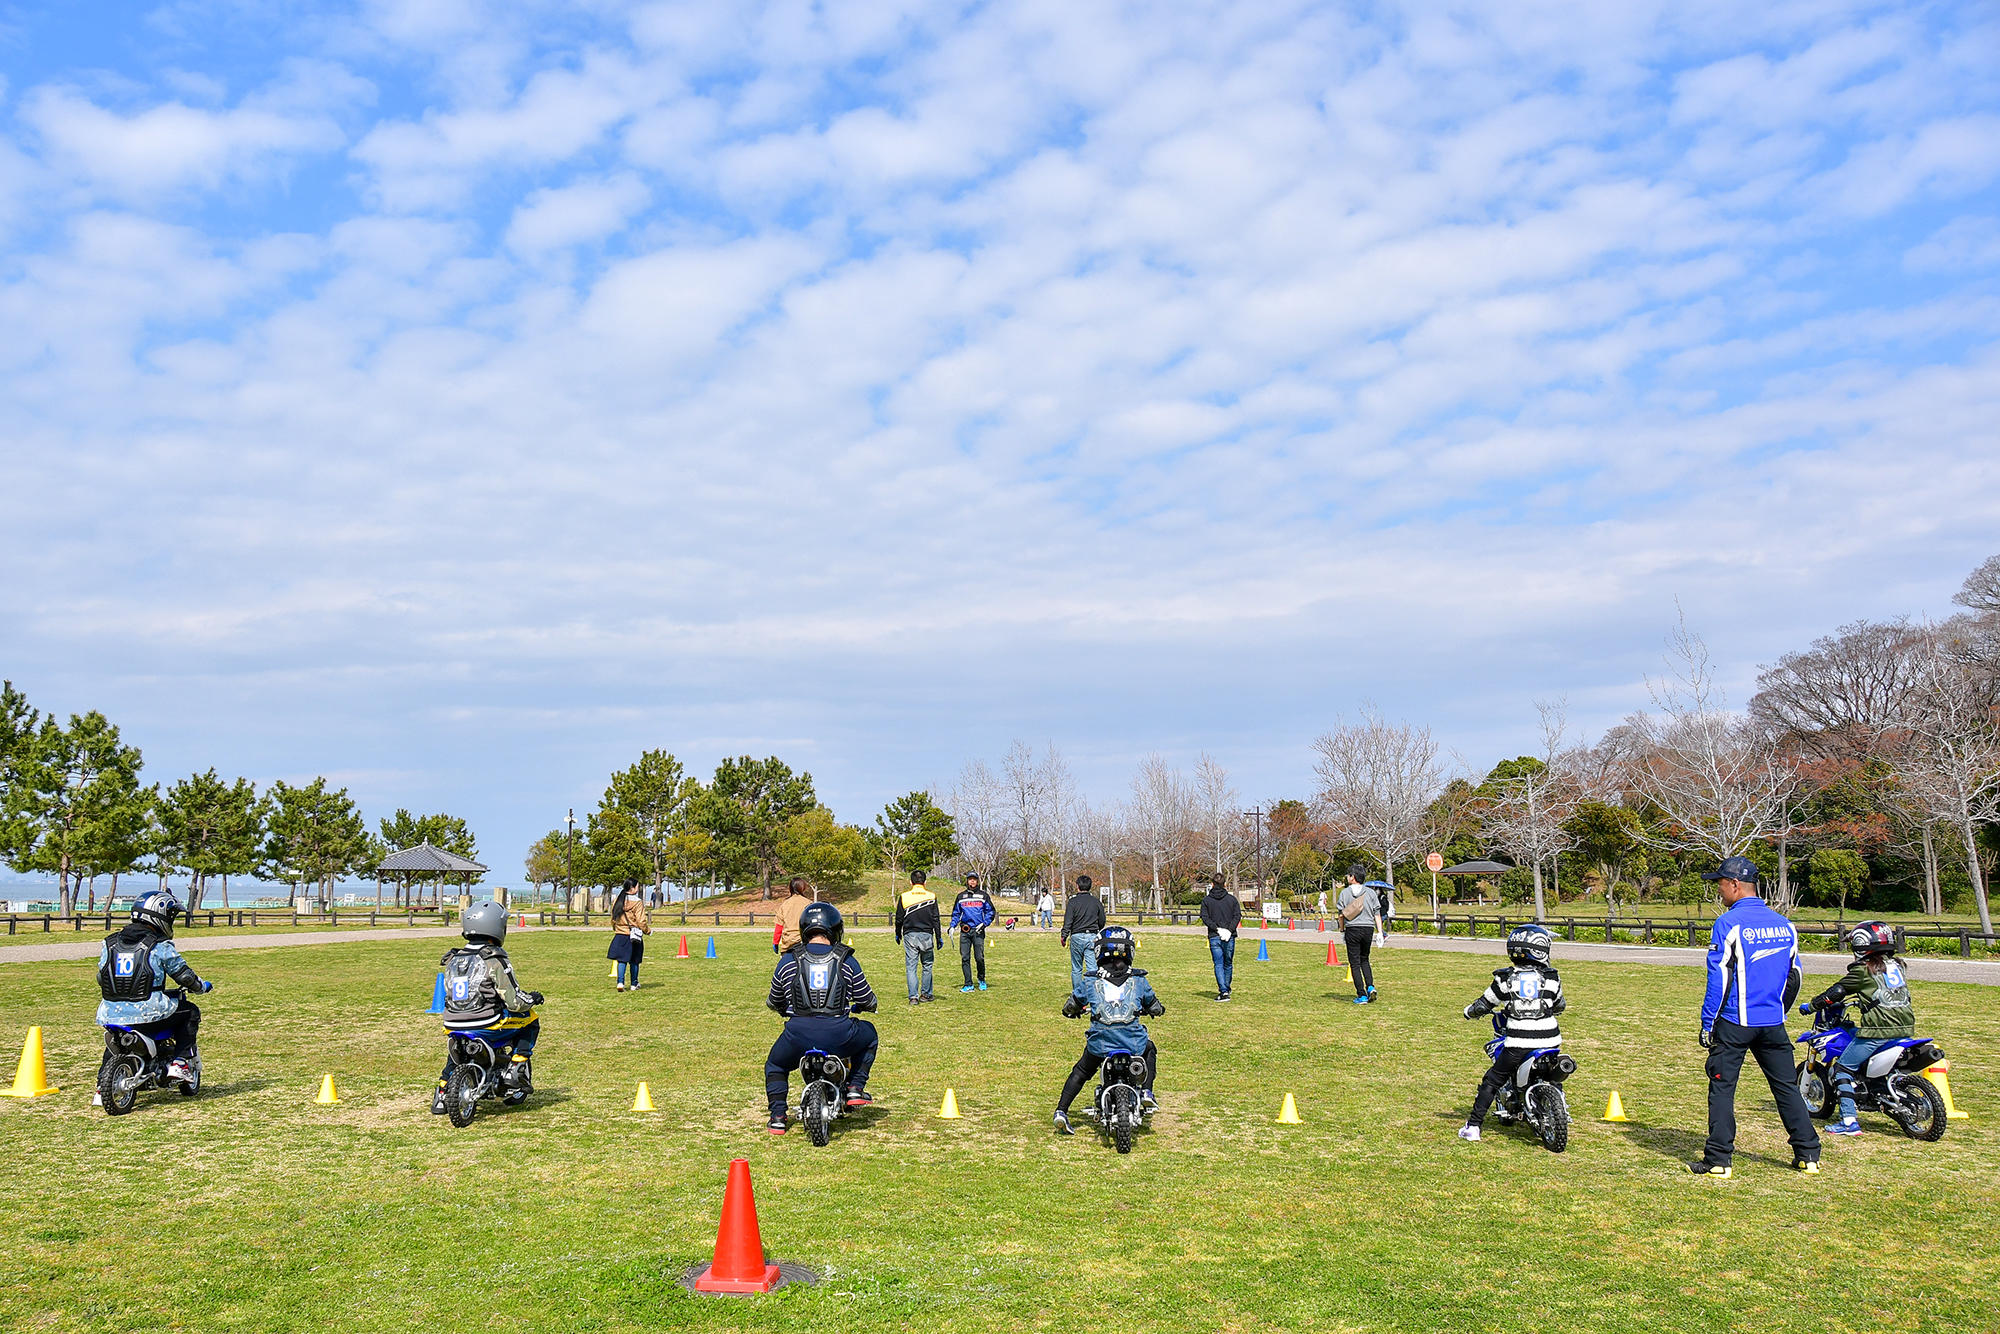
<point>1753,967</point>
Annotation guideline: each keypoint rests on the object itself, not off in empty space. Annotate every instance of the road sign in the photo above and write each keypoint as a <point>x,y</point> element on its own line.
<point>1435,862</point>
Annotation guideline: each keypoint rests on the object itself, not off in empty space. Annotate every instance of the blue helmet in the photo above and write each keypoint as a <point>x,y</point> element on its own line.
<point>1530,944</point>
<point>1114,945</point>
<point>156,910</point>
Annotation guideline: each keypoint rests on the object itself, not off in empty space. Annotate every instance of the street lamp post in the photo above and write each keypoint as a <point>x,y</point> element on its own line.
<point>569,863</point>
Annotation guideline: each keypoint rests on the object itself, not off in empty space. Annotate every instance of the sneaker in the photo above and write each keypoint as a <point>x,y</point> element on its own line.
<point>916,1000</point>
<point>967,987</point>
<point>927,999</point>
<point>1062,1124</point>
<point>437,1101</point>
<point>1371,993</point>
<point>1360,1000</point>
<point>1221,996</point>
<point>1470,1134</point>
<point>1807,1165</point>
<point>777,1124</point>
<point>982,984</point>
<point>858,1098</point>
<point>179,1070</point>
<point>1147,1102</point>
<point>621,986</point>
<point>1850,1126</point>
<point>97,1100</point>
<point>1701,1167</point>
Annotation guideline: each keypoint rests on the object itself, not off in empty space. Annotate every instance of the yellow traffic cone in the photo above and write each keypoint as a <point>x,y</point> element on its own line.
<point>327,1097</point>
<point>1939,1074</point>
<point>1288,1115</point>
<point>644,1102</point>
<point>31,1078</point>
<point>948,1109</point>
<point>1615,1110</point>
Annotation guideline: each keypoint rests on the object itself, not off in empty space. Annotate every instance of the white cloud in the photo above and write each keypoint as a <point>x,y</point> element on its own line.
<point>571,214</point>
<point>169,145</point>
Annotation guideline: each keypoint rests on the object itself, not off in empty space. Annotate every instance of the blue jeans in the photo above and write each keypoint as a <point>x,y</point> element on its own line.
<point>1223,954</point>
<point>628,967</point>
<point>919,953</point>
<point>1847,1071</point>
<point>1082,959</point>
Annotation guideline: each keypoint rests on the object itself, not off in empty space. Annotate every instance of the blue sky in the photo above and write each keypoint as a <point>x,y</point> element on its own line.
<point>456,399</point>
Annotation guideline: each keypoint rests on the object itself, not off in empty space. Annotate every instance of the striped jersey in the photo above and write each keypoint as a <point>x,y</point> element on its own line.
<point>1527,998</point>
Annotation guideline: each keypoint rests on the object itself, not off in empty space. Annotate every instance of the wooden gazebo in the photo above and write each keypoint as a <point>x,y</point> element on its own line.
<point>423,859</point>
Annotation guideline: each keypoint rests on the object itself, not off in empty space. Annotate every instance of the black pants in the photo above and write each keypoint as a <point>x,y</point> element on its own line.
<point>1087,1065</point>
<point>1772,1046</point>
<point>1504,1068</point>
<point>971,946</point>
<point>1360,940</point>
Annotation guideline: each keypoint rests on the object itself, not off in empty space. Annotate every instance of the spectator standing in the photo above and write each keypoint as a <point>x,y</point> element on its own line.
<point>1357,906</point>
<point>971,914</point>
<point>630,925</point>
<point>1322,903</point>
<point>917,931</point>
<point>1753,977</point>
<point>1045,910</point>
<point>1083,922</point>
<point>1223,916</point>
<point>785,935</point>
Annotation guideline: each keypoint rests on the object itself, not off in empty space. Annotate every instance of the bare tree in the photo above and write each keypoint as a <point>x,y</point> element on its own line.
<point>1025,784</point>
<point>1161,807</point>
<point>1221,816</point>
<point>1376,784</point>
<point>1949,764</point>
<point>982,818</point>
<point>1713,775</point>
<point>1061,815</point>
<point>1536,803</point>
<point>1106,836</point>
<point>1839,698</point>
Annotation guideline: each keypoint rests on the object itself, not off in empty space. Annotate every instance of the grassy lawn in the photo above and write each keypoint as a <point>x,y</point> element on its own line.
<point>573,1214</point>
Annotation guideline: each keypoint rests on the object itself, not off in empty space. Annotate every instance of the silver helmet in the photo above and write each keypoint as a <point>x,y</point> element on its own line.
<point>1531,943</point>
<point>487,919</point>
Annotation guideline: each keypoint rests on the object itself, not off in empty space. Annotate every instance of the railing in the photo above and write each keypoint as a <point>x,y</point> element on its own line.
<point>1679,931</point>
<point>203,918</point>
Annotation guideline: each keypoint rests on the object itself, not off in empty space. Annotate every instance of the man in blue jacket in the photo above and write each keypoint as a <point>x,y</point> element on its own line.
<point>971,914</point>
<point>1753,977</point>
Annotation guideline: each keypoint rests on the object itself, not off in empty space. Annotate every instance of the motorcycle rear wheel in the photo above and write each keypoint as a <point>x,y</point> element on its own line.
<point>1817,1090</point>
<point>817,1115</point>
<point>461,1094</point>
<point>118,1084</point>
<point>1123,1113</point>
<point>1549,1111</point>
<point>1919,1110</point>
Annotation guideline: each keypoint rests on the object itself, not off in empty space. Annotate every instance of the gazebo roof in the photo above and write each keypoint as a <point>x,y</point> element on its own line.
<point>424,857</point>
<point>1475,868</point>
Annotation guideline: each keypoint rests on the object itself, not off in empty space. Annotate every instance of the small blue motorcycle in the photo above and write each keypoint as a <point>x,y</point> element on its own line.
<point>139,1057</point>
<point>1892,1081</point>
<point>1535,1094</point>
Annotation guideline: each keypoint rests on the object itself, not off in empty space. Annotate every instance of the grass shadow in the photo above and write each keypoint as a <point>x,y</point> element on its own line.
<point>250,1084</point>
<point>1683,1145</point>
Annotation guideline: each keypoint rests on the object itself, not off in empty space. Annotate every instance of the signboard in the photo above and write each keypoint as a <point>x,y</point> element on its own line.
<point>1435,862</point>
<point>1273,911</point>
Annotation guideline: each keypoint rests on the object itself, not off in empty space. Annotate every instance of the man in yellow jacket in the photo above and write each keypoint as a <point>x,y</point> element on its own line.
<point>917,929</point>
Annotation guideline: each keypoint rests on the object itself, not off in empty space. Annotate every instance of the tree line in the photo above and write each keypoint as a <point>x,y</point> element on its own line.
<point>72,805</point>
<point>1863,773</point>
<point>753,822</point>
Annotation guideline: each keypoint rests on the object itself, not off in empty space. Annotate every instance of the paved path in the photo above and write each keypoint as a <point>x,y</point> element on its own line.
<point>1923,969</point>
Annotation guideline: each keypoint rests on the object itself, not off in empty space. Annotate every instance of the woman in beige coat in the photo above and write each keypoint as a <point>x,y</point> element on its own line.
<point>630,925</point>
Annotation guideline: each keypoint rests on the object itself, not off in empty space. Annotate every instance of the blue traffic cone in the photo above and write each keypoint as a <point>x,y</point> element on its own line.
<point>437,997</point>
<point>711,947</point>
<point>1263,949</point>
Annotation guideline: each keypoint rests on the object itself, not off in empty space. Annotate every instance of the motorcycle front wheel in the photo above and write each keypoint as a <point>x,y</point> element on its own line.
<point>1918,1108</point>
<point>118,1084</point>
<point>1550,1112</point>
<point>1817,1090</point>
<point>461,1094</point>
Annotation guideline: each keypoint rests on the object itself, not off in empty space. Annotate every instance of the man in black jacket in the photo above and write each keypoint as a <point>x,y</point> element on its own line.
<point>1083,920</point>
<point>1223,916</point>
<point>917,931</point>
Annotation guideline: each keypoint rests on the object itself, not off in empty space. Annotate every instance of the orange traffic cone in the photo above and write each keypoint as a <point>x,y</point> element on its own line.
<point>739,1264</point>
<point>1322,925</point>
<point>684,948</point>
<point>1332,955</point>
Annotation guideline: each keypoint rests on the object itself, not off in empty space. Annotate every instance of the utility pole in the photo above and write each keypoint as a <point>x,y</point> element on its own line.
<point>1257,818</point>
<point>569,863</point>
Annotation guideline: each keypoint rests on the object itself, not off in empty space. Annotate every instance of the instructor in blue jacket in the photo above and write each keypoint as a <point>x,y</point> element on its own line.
<point>1753,977</point>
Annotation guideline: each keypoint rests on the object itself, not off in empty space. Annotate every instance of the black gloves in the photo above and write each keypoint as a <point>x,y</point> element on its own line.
<point>1156,1008</point>
<point>536,998</point>
<point>1706,1038</point>
<point>1073,1007</point>
<point>1479,1008</point>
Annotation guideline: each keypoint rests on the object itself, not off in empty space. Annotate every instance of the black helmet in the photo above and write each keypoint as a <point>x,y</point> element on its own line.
<point>156,910</point>
<point>1530,943</point>
<point>821,919</point>
<point>1114,945</point>
<point>1871,938</point>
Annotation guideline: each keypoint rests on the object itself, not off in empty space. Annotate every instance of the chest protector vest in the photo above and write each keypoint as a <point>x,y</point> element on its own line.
<point>819,988</point>
<point>127,974</point>
<point>1526,994</point>
<point>1117,1002</point>
<point>469,987</point>
<point>1895,988</point>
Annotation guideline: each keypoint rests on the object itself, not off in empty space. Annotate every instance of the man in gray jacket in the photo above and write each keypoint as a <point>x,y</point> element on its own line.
<point>1357,907</point>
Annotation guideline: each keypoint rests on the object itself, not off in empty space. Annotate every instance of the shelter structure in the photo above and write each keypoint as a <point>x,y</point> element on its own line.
<point>424,860</point>
<point>1477,869</point>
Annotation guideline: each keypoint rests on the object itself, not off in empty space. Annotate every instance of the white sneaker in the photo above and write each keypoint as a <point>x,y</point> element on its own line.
<point>1470,1134</point>
<point>179,1071</point>
<point>97,1100</point>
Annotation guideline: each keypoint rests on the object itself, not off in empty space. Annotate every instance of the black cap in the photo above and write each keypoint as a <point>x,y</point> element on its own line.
<point>1735,868</point>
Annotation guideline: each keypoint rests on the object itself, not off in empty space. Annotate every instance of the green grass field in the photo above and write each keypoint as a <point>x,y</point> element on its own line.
<point>249,1208</point>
